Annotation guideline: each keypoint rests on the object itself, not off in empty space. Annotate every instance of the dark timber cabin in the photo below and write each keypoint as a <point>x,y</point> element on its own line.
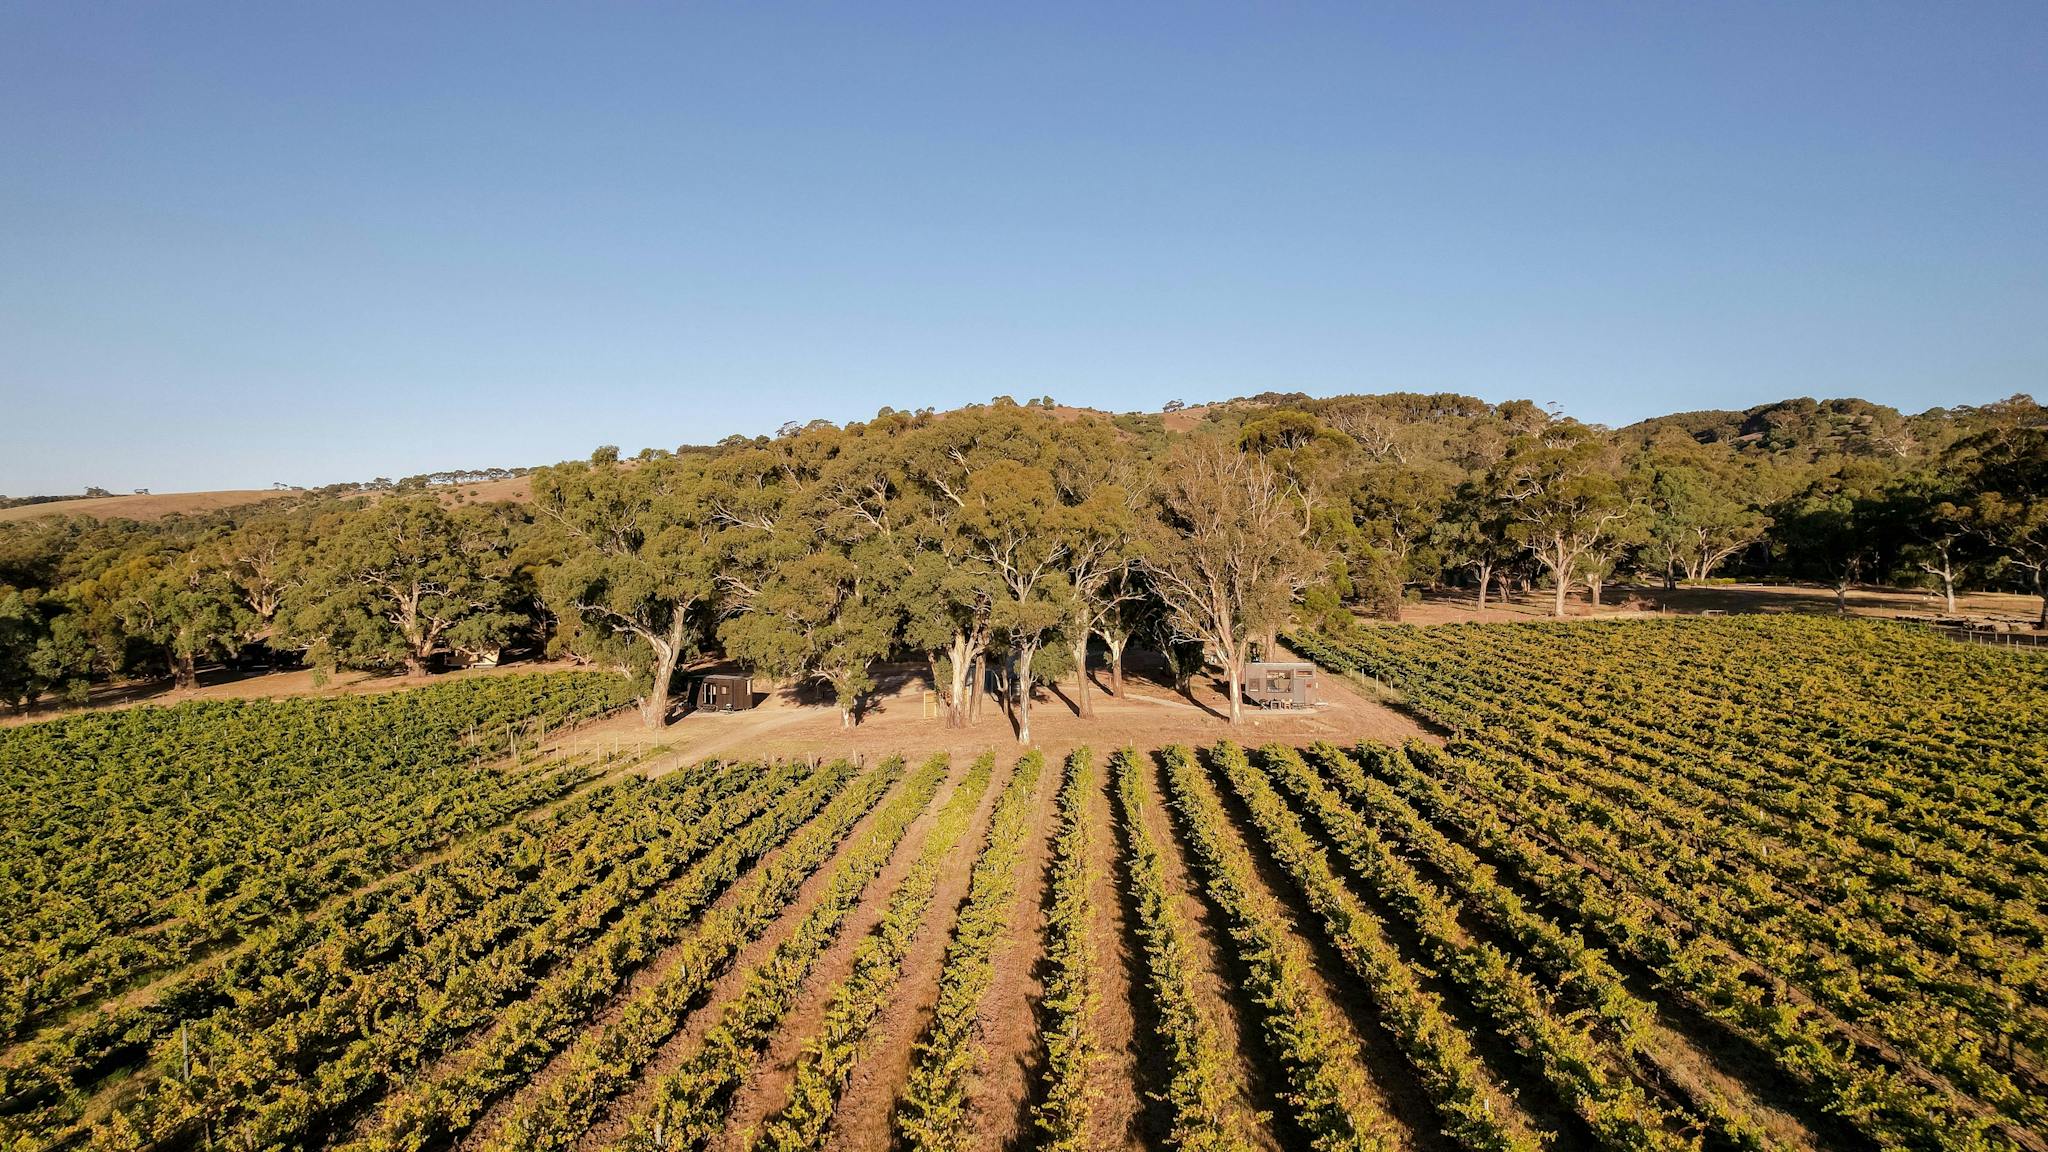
<point>1281,684</point>
<point>722,692</point>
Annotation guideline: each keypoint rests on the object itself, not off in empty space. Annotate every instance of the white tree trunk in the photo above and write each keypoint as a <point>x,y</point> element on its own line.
<point>1083,702</point>
<point>668,651</point>
<point>1021,691</point>
<point>956,700</point>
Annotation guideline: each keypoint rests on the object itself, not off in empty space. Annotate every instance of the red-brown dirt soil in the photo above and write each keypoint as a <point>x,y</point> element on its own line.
<point>1150,714</point>
<point>1009,1057</point>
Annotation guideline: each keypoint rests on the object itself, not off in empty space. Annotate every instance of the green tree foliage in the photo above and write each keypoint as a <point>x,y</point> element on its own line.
<point>1561,498</point>
<point>189,607</point>
<point>407,581</point>
<point>1828,532</point>
<point>2010,473</point>
<point>1700,515</point>
<point>264,559</point>
<point>1930,516</point>
<point>1011,521</point>
<point>994,533</point>
<point>23,629</point>
<point>1472,535</point>
<point>633,564</point>
<point>1230,553</point>
<point>815,619</point>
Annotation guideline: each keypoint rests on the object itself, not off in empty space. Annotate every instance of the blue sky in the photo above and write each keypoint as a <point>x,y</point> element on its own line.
<point>250,243</point>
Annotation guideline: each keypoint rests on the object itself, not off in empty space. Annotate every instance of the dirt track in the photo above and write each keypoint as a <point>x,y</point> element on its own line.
<point>1150,714</point>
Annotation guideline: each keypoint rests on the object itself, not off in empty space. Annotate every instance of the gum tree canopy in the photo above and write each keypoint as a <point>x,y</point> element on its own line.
<point>636,559</point>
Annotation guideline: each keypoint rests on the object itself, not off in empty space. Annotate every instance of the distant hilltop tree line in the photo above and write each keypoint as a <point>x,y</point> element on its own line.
<point>380,484</point>
<point>1006,540</point>
<point>26,501</point>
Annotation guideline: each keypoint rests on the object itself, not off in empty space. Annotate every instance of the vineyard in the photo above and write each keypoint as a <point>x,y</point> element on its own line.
<point>1706,885</point>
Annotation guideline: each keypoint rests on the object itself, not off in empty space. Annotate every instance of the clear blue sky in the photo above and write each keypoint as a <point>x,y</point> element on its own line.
<point>261,242</point>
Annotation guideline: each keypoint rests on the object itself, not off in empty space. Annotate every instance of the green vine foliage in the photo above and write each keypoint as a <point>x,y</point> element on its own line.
<point>932,1113</point>
<point>1071,980</point>
<point>828,1060</point>
<point>134,839</point>
<point>1826,833</point>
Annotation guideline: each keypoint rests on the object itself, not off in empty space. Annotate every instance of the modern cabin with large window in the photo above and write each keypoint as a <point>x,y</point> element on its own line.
<point>1281,684</point>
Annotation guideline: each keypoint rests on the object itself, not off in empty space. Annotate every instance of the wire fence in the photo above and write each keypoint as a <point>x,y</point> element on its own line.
<point>2019,637</point>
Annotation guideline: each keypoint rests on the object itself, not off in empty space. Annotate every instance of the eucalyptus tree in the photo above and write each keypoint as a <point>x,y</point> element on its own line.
<point>186,606</point>
<point>1010,521</point>
<point>808,557</point>
<point>1100,534</point>
<point>24,629</point>
<point>1830,530</point>
<point>1397,506</point>
<point>813,618</point>
<point>978,485</point>
<point>1930,510</point>
<point>1473,533</point>
<point>2009,473</point>
<point>263,559</point>
<point>1127,607</point>
<point>947,605</point>
<point>1311,457</point>
<point>404,581</point>
<point>1561,498</point>
<point>1230,554</point>
<point>636,561</point>
<point>1702,509</point>
<point>1392,512</point>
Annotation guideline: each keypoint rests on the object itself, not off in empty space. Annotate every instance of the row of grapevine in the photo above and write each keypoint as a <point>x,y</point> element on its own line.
<point>1951,1018</point>
<point>1821,786</point>
<point>1061,1116</point>
<point>1333,1105</point>
<point>267,1072</point>
<point>605,1061</point>
<point>1797,848</point>
<point>1900,1004</point>
<point>828,1060</point>
<point>932,1113</point>
<point>1564,955</point>
<point>1817,772</point>
<point>532,1031</point>
<point>1471,1104</point>
<point>690,1103</point>
<point>46,1085</point>
<point>1202,1118</point>
<point>1903,945</point>
<point>1576,970</point>
<point>1892,1108</point>
<point>134,839</point>
<point>1799,804</point>
<point>1588,1073</point>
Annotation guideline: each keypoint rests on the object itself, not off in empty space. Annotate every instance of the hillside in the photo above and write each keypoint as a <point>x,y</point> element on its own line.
<point>1800,428</point>
<point>143,506</point>
<point>157,505</point>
